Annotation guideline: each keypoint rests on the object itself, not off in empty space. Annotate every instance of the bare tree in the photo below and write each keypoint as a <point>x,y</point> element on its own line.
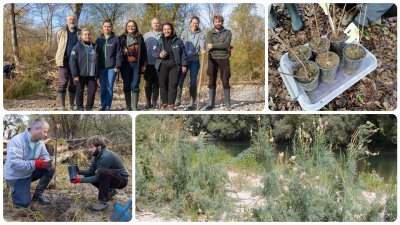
<point>77,9</point>
<point>14,35</point>
<point>47,11</point>
<point>212,10</point>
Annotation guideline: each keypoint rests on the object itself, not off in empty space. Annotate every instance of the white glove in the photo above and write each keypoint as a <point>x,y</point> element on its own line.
<point>353,33</point>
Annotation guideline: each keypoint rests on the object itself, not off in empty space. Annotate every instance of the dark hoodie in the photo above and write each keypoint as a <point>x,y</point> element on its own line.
<point>109,52</point>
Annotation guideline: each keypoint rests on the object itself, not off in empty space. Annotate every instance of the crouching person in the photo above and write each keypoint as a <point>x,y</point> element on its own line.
<point>27,160</point>
<point>106,172</point>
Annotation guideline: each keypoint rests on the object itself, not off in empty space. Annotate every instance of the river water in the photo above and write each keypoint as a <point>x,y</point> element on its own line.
<point>385,164</point>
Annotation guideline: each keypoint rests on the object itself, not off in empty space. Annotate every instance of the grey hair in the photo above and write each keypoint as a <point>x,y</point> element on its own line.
<point>39,123</point>
<point>85,29</point>
<point>72,14</point>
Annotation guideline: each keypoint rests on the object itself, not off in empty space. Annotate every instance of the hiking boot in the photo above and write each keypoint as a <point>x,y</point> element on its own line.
<point>61,98</point>
<point>41,199</point>
<point>297,24</point>
<point>211,100</point>
<point>99,207</point>
<point>178,96</point>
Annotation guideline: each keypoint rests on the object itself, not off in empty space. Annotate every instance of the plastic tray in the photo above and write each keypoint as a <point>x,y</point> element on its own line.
<point>325,92</point>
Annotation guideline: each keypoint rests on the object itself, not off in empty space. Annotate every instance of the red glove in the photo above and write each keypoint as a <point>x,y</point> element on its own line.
<point>76,180</point>
<point>41,164</point>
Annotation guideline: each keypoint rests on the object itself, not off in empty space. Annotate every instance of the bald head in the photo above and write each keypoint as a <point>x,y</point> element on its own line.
<point>155,24</point>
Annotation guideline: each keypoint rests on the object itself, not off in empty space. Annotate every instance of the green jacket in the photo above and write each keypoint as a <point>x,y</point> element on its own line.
<point>221,42</point>
<point>105,159</point>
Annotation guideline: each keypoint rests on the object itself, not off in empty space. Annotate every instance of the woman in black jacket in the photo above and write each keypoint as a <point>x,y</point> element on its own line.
<point>83,65</point>
<point>133,63</point>
<point>170,57</point>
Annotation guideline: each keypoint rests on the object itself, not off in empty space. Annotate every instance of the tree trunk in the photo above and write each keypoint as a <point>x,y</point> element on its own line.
<point>77,9</point>
<point>14,36</point>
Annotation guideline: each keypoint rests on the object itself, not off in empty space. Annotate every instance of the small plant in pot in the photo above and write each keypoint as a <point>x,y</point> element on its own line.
<point>337,37</point>
<point>302,52</point>
<point>307,75</point>
<point>354,55</point>
<point>319,45</point>
<point>328,62</point>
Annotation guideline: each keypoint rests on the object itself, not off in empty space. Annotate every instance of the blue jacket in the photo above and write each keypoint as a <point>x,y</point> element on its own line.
<point>178,49</point>
<point>20,158</point>
<point>109,52</point>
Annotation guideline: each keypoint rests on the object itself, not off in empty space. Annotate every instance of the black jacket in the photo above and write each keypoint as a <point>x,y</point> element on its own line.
<point>109,52</point>
<point>142,54</point>
<point>80,60</point>
<point>178,49</point>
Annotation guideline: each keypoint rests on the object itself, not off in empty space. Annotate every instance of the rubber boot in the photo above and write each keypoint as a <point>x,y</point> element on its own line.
<point>211,100</point>
<point>44,181</point>
<point>297,24</point>
<point>71,100</point>
<point>147,92</point>
<point>135,97</point>
<point>156,93</point>
<point>178,96</point>
<point>128,100</point>
<point>227,99</point>
<point>193,95</point>
<point>272,18</point>
<point>61,98</point>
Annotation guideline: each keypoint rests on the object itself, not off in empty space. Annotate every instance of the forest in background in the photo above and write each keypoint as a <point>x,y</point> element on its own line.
<point>67,146</point>
<point>180,176</point>
<point>29,33</point>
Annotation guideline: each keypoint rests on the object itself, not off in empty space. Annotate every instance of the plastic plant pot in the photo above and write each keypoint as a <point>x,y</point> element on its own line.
<point>308,84</point>
<point>338,42</point>
<point>73,172</point>
<point>302,51</point>
<point>328,63</point>
<point>353,55</point>
<point>319,45</point>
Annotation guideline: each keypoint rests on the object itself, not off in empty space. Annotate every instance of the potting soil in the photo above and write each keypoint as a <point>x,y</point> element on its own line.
<point>319,44</point>
<point>308,75</point>
<point>302,52</point>
<point>354,52</point>
<point>327,60</point>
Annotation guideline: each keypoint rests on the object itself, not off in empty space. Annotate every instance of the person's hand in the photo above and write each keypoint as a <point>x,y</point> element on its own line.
<point>125,52</point>
<point>116,70</point>
<point>184,69</point>
<point>204,52</point>
<point>143,69</point>
<point>76,180</point>
<point>209,46</point>
<point>76,78</point>
<point>41,164</point>
<point>163,54</point>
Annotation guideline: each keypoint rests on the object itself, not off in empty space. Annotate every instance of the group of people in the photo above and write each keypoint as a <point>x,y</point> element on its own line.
<point>28,160</point>
<point>160,54</point>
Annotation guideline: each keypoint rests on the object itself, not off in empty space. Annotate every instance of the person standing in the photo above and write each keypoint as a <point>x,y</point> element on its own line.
<point>194,42</point>
<point>219,45</point>
<point>83,64</point>
<point>27,160</point>
<point>106,172</point>
<point>109,59</point>
<point>152,86</point>
<point>133,63</point>
<point>67,37</point>
<point>170,56</point>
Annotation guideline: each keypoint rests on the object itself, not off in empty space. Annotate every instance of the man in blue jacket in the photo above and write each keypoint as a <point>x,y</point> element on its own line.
<point>27,160</point>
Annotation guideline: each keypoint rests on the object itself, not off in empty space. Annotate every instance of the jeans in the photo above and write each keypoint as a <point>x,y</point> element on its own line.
<point>193,67</point>
<point>107,78</point>
<point>20,188</point>
<point>131,76</point>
